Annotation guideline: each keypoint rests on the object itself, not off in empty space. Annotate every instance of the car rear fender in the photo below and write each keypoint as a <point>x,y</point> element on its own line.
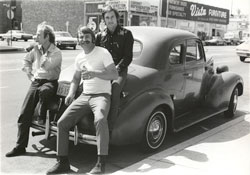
<point>129,126</point>
<point>220,89</point>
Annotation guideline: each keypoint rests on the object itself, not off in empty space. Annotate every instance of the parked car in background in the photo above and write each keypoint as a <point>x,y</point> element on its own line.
<point>16,35</point>
<point>170,86</point>
<point>1,36</point>
<point>216,40</point>
<point>64,39</point>
<point>232,38</point>
<point>243,50</point>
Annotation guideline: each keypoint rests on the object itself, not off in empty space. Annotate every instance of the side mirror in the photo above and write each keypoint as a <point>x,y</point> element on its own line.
<point>221,69</point>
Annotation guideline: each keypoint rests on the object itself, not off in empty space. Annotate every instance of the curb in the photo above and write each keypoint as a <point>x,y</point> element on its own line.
<point>11,49</point>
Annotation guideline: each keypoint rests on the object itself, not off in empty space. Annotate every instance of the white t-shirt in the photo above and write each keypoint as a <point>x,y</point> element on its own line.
<point>97,59</point>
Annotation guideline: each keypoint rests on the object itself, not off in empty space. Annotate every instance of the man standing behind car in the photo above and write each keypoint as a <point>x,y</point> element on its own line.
<point>119,42</point>
<point>46,59</point>
<point>96,68</point>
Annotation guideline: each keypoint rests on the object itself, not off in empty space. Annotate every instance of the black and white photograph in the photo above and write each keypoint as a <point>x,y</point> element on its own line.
<point>125,87</point>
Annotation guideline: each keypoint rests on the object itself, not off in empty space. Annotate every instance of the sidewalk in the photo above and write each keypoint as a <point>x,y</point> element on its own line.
<point>223,150</point>
<point>16,46</point>
<point>10,48</point>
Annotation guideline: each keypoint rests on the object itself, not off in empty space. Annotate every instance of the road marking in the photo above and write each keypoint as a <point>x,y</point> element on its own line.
<point>9,70</point>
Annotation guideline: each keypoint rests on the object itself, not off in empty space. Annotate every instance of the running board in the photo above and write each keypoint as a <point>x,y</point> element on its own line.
<point>194,117</point>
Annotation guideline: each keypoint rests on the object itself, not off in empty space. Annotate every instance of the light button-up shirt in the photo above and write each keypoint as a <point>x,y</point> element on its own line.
<point>43,65</point>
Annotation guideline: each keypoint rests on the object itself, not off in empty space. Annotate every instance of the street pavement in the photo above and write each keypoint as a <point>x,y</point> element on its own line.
<point>223,150</point>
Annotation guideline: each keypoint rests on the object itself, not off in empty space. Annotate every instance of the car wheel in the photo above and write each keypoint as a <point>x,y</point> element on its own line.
<point>232,104</point>
<point>74,47</point>
<point>242,59</point>
<point>155,131</point>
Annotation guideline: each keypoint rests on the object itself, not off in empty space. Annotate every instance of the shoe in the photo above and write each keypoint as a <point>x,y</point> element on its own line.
<point>98,169</point>
<point>40,122</point>
<point>62,166</point>
<point>16,152</point>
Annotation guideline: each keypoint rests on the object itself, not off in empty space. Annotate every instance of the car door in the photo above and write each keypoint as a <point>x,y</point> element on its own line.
<point>174,79</point>
<point>193,73</point>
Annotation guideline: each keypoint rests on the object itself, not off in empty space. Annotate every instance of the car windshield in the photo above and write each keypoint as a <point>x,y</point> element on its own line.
<point>215,37</point>
<point>63,34</point>
<point>137,48</point>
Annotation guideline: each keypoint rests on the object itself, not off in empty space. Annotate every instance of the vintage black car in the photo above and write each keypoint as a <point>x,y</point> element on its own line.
<point>170,86</point>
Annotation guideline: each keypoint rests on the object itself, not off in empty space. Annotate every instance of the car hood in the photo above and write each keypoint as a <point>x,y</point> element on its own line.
<point>65,39</point>
<point>244,46</point>
<point>212,40</point>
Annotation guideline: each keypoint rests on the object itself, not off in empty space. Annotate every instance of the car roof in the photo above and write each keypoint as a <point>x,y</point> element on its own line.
<point>157,34</point>
<point>156,41</point>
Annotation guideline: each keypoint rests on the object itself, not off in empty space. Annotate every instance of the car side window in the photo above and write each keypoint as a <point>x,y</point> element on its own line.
<point>192,51</point>
<point>175,55</point>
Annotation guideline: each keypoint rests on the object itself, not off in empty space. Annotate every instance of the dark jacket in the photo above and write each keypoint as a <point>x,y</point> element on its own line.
<point>119,44</point>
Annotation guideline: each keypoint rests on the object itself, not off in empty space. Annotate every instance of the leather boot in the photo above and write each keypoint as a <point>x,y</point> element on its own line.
<point>61,166</point>
<point>16,152</point>
<point>99,167</point>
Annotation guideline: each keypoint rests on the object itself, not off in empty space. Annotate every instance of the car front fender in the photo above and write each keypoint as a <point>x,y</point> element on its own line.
<point>220,89</point>
<point>130,125</point>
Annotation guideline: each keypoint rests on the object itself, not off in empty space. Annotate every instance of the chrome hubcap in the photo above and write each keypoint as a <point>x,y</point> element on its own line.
<point>156,130</point>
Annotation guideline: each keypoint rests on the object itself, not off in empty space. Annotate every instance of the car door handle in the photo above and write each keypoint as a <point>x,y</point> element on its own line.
<point>187,74</point>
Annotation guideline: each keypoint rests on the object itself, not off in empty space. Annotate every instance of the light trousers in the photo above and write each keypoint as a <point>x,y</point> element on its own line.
<point>99,105</point>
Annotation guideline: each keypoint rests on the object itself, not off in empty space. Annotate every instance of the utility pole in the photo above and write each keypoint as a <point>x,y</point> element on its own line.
<point>159,14</point>
<point>129,12</point>
<point>10,15</point>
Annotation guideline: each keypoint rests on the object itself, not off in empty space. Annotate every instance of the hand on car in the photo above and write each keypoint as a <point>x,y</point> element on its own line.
<point>69,99</point>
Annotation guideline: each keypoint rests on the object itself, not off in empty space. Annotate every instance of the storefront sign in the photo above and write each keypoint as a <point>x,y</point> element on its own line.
<point>120,5</point>
<point>197,12</point>
<point>139,6</point>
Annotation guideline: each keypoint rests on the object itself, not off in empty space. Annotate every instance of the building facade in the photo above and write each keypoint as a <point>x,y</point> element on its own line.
<point>10,15</point>
<point>203,20</point>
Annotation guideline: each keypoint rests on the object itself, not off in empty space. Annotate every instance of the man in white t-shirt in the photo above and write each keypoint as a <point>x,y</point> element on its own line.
<point>96,68</point>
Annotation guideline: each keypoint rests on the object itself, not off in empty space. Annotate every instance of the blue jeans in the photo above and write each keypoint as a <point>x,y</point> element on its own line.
<point>99,104</point>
